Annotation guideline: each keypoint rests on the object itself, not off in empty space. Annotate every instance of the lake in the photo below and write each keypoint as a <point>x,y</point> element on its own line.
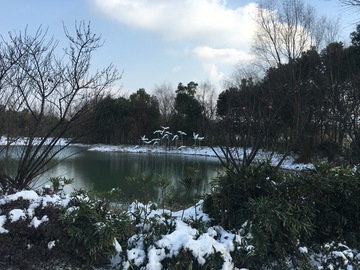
<point>103,171</point>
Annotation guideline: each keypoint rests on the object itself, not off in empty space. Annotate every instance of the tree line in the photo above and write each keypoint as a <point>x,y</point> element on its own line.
<point>122,120</point>
<point>308,105</point>
<point>303,97</point>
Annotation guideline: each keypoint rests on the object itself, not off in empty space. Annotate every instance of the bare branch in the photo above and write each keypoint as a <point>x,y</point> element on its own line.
<point>36,81</point>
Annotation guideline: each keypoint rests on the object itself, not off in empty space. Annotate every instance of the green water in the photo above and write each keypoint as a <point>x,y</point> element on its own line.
<point>104,171</point>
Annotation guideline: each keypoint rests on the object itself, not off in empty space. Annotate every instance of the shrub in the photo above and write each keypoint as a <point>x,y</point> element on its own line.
<point>278,226</point>
<point>335,194</point>
<point>285,209</point>
<point>227,204</point>
<point>45,243</point>
<point>58,183</point>
<point>337,256</point>
<point>93,228</point>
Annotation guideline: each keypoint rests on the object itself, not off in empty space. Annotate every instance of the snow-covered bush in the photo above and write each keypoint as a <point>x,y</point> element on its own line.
<point>285,210</point>
<point>177,240</point>
<point>96,231</point>
<point>336,256</point>
<point>30,233</point>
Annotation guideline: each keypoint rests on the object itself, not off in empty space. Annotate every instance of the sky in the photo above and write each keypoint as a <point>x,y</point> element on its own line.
<point>160,41</point>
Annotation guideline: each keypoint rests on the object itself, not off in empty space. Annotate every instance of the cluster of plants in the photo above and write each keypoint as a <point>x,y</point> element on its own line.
<point>185,193</point>
<point>268,218</point>
<point>90,231</point>
<point>77,230</point>
<point>283,211</point>
<point>23,246</point>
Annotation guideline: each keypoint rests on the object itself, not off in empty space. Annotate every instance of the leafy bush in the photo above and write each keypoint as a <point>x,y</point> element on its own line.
<point>227,204</point>
<point>37,234</point>
<point>94,229</point>
<point>23,241</point>
<point>286,209</point>
<point>337,256</point>
<point>335,195</point>
<point>278,226</point>
<point>58,183</point>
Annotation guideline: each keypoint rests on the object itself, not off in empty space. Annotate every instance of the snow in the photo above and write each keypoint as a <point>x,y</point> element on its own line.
<point>289,162</point>
<point>181,238</point>
<point>16,214</point>
<point>137,256</point>
<point>117,246</point>
<point>51,244</point>
<point>35,201</point>
<point>25,194</point>
<point>24,141</point>
<point>35,222</point>
<point>2,222</point>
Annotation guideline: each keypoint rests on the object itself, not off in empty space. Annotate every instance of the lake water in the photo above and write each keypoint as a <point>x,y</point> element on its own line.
<point>103,171</point>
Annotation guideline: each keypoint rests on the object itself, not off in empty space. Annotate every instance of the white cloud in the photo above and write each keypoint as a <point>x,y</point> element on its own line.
<point>227,55</point>
<point>203,22</point>
<point>210,31</point>
<point>215,75</point>
<point>212,59</point>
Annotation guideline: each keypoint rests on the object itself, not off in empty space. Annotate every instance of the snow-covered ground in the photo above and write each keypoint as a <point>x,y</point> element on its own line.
<point>201,244</point>
<point>184,236</point>
<point>24,141</point>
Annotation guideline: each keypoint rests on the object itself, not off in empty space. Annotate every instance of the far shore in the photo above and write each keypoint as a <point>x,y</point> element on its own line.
<point>288,164</point>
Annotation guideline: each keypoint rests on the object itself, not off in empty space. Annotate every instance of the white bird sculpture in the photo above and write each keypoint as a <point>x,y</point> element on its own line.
<point>143,138</point>
<point>182,134</point>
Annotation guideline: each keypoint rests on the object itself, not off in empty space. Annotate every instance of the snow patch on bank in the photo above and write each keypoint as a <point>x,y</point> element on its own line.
<point>288,163</point>
<point>4,140</point>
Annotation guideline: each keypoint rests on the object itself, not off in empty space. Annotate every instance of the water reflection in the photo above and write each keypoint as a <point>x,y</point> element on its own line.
<point>104,171</point>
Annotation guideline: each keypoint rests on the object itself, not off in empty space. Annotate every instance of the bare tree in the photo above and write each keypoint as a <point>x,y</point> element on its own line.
<point>47,86</point>
<point>325,32</point>
<point>206,95</point>
<point>287,28</point>
<point>350,2</point>
<point>166,97</point>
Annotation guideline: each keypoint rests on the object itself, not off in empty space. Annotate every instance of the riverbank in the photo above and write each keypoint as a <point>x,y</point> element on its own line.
<point>289,163</point>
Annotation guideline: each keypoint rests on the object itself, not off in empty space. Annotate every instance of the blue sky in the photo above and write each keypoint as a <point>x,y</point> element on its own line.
<point>157,41</point>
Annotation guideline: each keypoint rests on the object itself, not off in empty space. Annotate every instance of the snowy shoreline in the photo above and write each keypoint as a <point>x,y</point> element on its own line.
<point>288,164</point>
